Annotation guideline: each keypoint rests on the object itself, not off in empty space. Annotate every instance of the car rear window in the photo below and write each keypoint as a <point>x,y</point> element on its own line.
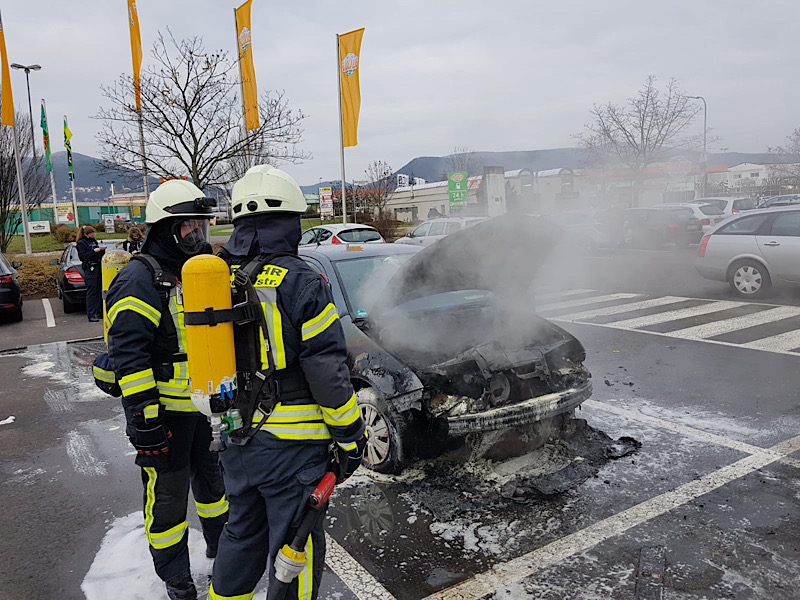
<point>679,213</point>
<point>710,209</point>
<point>437,228</point>
<point>745,204</point>
<point>359,235</point>
<point>5,267</point>
<point>744,226</point>
<point>787,224</point>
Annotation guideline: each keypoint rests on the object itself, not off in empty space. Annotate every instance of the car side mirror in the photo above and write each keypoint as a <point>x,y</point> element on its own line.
<point>54,262</point>
<point>16,264</point>
<point>410,234</point>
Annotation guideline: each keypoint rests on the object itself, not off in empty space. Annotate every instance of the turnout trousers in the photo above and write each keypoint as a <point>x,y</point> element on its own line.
<point>166,494</point>
<point>268,482</point>
<point>94,290</point>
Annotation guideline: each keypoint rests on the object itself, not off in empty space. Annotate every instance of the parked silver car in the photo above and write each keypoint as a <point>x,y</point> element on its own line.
<point>708,214</point>
<point>753,251</point>
<point>435,229</point>
<point>729,206</point>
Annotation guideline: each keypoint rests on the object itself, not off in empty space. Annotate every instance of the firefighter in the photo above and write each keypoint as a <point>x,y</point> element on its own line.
<point>269,479</point>
<point>146,346</point>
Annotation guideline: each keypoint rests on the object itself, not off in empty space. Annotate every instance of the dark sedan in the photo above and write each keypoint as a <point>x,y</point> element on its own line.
<point>10,295</point>
<point>655,226</point>
<point>441,343</point>
<point>69,280</point>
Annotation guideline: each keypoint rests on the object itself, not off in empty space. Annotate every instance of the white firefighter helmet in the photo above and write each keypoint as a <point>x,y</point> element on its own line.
<point>178,198</point>
<point>265,189</point>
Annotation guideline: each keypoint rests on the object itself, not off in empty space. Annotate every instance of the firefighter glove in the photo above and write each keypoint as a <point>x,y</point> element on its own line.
<point>347,461</point>
<point>151,440</point>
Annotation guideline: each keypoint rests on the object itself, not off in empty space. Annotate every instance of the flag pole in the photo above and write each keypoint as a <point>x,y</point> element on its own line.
<point>341,130</point>
<point>144,160</point>
<point>52,177</point>
<point>72,181</point>
<point>21,188</point>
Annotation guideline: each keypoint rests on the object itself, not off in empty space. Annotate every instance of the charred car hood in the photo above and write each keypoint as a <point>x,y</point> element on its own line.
<point>501,255</point>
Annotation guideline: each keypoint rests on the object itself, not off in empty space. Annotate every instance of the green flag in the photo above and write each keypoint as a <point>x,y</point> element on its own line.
<point>68,146</point>
<point>46,137</point>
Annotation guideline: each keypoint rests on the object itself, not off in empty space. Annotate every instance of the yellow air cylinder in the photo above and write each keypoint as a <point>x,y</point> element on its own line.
<point>209,348</point>
<point>110,266</point>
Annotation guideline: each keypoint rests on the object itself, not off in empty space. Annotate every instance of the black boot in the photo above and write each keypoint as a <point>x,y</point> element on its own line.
<point>211,551</point>
<point>182,587</point>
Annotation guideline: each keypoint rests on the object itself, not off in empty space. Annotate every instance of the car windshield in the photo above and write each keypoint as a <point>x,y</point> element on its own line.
<point>454,300</point>
<point>363,279</point>
<point>359,235</point>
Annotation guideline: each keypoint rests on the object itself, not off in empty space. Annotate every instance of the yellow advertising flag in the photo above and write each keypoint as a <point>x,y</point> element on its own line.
<point>349,59</point>
<point>7,100</point>
<point>136,50</point>
<point>246,69</point>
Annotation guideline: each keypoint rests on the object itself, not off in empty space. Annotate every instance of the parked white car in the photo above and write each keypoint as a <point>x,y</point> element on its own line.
<point>753,251</point>
<point>435,229</point>
<point>729,206</point>
<point>709,215</point>
<point>352,233</point>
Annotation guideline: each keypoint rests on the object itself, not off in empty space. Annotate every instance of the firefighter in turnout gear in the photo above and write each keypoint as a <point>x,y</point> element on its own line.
<point>146,344</point>
<point>313,410</point>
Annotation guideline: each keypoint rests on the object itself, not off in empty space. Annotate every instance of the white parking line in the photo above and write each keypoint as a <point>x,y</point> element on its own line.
<point>777,343</point>
<point>551,295</point>
<point>48,313</point>
<point>514,571</point>
<point>699,332</point>
<point>622,308</point>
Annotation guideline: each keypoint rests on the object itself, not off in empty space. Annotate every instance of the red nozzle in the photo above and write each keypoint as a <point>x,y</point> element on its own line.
<point>324,490</point>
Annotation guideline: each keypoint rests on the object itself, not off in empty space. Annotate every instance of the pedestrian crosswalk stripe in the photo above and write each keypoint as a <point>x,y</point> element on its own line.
<point>551,295</point>
<point>716,318</point>
<point>708,330</point>
<point>673,315</point>
<point>585,301</point>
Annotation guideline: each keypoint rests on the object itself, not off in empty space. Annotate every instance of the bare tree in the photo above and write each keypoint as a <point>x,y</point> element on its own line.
<point>643,130</point>
<point>37,185</point>
<point>462,158</point>
<point>375,193</point>
<point>192,118</point>
<point>787,173</point>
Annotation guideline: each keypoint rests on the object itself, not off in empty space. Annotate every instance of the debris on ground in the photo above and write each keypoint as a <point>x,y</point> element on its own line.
<point>8,421</point>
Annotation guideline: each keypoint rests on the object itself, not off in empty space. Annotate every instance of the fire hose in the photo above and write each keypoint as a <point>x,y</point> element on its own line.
<point>291,559</point>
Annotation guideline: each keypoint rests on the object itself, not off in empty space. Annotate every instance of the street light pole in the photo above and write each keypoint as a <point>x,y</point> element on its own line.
<point>705,141</point>
<point>28,70</point>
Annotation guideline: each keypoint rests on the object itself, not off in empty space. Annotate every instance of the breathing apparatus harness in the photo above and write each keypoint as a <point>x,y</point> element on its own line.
<point>258,385</point>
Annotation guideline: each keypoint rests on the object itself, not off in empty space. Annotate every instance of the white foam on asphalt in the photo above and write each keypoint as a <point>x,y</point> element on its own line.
<point>8,420</point>
<point>48,313</point>
<point>514,571</point>
<point>81,452</point>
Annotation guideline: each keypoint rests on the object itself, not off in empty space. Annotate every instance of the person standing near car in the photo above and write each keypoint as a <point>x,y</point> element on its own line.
<point>133,243</point>
<point>91,253</point>
<point>269,479</point>
<point>147,354</point>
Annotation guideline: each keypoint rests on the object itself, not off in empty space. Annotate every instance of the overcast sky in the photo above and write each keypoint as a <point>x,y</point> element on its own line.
<point>494,76</point>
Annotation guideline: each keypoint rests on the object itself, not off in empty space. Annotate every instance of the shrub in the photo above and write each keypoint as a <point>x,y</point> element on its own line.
<point>64,234</point>
<point>37,277</point>
<point>386,225</point>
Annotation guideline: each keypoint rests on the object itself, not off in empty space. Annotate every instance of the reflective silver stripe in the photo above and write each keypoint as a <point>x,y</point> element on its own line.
<point>137,382</point>
<point>319,323</point>
<point>136,305</point>
<point>176,312</point>
<point>103,375</point>
<point>168,538</point>
<point>212,509</point>
<point>301,431</point>
<point>178,387</point>
<point>181,371</point>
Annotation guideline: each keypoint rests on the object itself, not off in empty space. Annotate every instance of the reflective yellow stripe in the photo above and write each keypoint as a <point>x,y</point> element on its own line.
<point>179,387</point>
<point>103,375</point>
<point>137,382</point>
<point>136,305</point>
<point>319,323</point>
<point>150,495</point>
<point>297,431</point>
<point>177,404</point>
<point>342,416</point>
<point>170,537</point>
<point>151,411</point>
<point>212,595</point>
<point>305,580</point>
<point>278,350</point>
<point>176,312</point>
<point>348,447</point>
<point>214,509</point>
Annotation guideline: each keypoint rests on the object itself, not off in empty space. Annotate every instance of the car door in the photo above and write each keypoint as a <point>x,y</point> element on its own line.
<point>435,233</point>
<point>309,237</point>
<point>418,235</point>
<point>781,248</point>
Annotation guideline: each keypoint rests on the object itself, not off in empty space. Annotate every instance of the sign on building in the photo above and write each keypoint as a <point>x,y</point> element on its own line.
<point>457,186</point>
<point>326,202</point>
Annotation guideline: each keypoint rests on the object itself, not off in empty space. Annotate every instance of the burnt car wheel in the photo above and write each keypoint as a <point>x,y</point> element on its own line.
<point>391,442</point>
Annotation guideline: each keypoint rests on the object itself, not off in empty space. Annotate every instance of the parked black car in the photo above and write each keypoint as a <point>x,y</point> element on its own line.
<point>441,341</point>
<point>655,226</point>
<point>69,280</point>
<point>10,295</point>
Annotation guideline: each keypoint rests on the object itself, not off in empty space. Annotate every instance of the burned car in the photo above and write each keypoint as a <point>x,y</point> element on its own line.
<point>444,342</point>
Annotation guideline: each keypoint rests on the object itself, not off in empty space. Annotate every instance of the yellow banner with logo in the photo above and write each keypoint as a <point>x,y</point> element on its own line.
<point>246,68</point>
<point>349,62</point>
<point>7,100</point>
<point>136,51</point>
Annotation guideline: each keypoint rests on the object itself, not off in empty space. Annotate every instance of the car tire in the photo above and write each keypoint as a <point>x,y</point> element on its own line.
<point>392,444</point>
<point>749,279</point>
<point>16,315</point>
<point>70,307</point>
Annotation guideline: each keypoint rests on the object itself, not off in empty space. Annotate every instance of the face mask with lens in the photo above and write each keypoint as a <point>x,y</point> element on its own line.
<point>191,235</point>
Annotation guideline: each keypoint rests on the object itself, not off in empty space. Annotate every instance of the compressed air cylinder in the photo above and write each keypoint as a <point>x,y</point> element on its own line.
<point>209,348</point>
<point>111,264</point>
